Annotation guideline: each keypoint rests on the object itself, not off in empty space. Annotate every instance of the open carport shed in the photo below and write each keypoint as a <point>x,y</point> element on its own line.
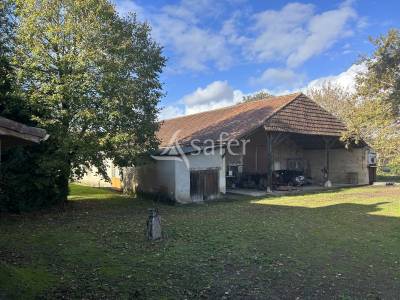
<point>289,132</point>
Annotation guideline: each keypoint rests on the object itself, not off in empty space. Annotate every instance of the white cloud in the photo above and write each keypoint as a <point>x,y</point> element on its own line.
<point>193,47</point>
<point>220,94</point>
<point>124,7</point>
<point>345,79</point>
<point>215,95</point>
<point>237,97</point>
<point>323,31</point>
<point>169,112</point>
<point>296,33</point>
<point>231,32</point>
<point>192,10</point>
<point>278,33</point>
<point>215,91</point>
<point>177,28</point>
<point>277,79</point>
<point>292,35</point>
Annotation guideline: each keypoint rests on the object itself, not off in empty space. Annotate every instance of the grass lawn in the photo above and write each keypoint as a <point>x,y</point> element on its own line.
<point>343,244</point>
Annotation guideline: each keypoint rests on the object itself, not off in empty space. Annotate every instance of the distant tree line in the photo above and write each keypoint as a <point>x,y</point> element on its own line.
<point>257,96</point>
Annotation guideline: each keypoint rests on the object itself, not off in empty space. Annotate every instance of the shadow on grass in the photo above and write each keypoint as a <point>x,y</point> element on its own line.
<point>334,251</point>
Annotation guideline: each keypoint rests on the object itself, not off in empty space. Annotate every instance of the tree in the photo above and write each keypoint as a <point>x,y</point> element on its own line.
<point>376,119</point>
<point>11,105</point>
<point>372,121</point>
<point>91,79</point>
<point>382,79</point>
<point>257,96</point>
<point>6,45</point>
<point>335,99</point>
<point>27,179</point>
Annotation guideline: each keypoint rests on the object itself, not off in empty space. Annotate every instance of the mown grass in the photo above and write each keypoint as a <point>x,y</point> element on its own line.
<point>342,244</point>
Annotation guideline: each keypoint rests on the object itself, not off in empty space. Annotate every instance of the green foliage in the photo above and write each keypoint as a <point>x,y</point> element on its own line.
<point>376,117</point>
<point>257,96</point>
<point>11,105</point>
<point>90,79</point>
<point>382,80</point>
<point>30,179</point>
<point>87,76</point>
<point>29,176</point>
<point>6,36</point>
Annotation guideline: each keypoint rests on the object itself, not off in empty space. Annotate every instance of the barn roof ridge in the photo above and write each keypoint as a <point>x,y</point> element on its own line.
<point>294,113</point>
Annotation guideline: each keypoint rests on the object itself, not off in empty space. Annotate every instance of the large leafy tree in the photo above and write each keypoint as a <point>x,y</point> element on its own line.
<point>376,117</point>
<point>29,178</point>
<point>91,79</point>
<point>11,105</point>
<point>382,79</point>
<point>6,44</point>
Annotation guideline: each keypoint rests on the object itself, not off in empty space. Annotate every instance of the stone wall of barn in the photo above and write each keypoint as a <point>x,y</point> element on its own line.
<point>346,166</point>
<point>172,177</point>
<point>255,158</point>
<point>157,177</point>
<point>286,150</point>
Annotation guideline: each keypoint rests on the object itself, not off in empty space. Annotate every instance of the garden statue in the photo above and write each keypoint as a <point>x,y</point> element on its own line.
<point>154,225</point>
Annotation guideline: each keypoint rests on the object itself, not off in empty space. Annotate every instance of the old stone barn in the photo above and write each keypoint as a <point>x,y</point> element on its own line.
<point>243,146</point>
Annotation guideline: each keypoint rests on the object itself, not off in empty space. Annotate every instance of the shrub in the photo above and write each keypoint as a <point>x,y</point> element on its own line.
<point>30,180</point>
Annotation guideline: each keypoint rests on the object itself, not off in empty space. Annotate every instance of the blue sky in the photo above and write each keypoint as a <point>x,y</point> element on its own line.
<point>220,50</point>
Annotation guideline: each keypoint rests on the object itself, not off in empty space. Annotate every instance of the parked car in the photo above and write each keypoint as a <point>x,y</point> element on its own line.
<point>288,178</point>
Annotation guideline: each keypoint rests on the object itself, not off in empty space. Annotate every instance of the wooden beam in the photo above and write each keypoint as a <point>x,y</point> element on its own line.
<point>278,138</point>
<point>329,141</point>
<point>327,160</point>
<point>269,160</point>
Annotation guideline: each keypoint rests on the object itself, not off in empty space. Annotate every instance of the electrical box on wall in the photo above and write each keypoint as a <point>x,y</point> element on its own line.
<point>371,158</point>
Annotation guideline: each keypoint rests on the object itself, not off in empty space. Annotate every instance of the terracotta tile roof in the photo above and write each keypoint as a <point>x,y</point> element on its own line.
<point>304,116</point>
<point>240,119</point>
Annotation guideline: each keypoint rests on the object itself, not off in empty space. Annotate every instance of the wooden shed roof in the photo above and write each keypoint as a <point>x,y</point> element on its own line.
<point>12,130</point>
<point>295,113</point>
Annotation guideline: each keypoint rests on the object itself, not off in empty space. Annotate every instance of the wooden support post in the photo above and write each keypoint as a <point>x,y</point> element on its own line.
<point>327,160</point>
<point>273,139</point>
<point>328,144</point>
<point>269,161</point>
